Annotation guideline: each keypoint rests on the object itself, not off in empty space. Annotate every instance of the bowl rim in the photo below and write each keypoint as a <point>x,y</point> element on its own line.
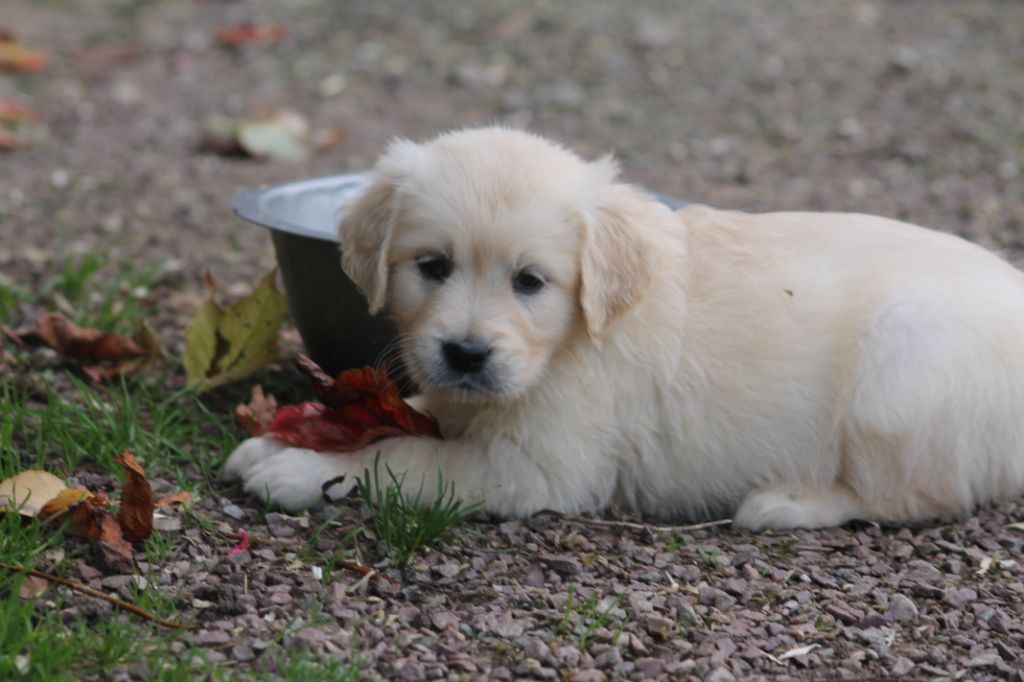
<point>247,204</point>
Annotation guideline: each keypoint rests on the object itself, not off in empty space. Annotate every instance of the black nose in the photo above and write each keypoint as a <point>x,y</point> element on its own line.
<point>466,356</point>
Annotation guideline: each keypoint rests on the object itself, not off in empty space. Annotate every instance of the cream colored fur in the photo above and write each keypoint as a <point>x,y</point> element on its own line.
<point>788,369</point>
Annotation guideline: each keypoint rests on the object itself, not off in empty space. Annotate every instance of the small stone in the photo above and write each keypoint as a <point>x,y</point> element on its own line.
<point>243,653</point>
<point>591,675</point>
<point>562,564</point>
<point>115,581</point>
<point>902,608</point>
<point>984,660</point>
<point>959,597</point>
<point>87,573</point>
<point>649,668</point>
<point>657,626</point>
<point>211,638</point>
<point>923,570</point>
<point>537,648</point>
<point>442,620</point>
<point>902,666</point>
<point>234,511</point>
<point>720,674</point>
<point>712,596</point>
<point>448,569</point>
<point>568,656</point>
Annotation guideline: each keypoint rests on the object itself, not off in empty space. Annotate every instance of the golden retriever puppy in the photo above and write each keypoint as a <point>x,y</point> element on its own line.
<point>582,344</point>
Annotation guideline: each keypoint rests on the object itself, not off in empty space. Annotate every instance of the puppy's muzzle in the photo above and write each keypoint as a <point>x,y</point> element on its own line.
<point>466,357</point>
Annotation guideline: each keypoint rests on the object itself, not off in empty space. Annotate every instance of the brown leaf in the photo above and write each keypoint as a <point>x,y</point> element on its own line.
<point>250,33</point>
<point>137,504</point>
<point>116,551</point>
<point>87,517</point>
<point>146,339</point>
<point>258,414</point>
<point>80,343</point>
<point>180,497</point>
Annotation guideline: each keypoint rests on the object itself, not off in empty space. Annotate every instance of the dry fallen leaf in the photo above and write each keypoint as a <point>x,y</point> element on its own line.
<point>250,33</point>
<point>29,491</point>
<point>147,340</point>
<point>16,57</point>
<point>258,414</point>
<point>360,407</point>
<point>80,343</point>
<point>63,501</point>
<point>228,343</point>
<point>137,504</point>
<point>116,551</point>
<point>282,136</point>
<point>180,497</point>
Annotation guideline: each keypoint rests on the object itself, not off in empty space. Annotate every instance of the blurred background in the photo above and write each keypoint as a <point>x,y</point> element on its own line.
<point>911,109</point>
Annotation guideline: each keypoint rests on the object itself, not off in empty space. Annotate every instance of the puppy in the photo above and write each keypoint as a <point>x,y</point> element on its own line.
<point>582,344</point>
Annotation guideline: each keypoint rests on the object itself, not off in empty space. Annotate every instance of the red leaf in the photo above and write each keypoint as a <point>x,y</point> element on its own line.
<point>250,34</point>
<point>137,504</point>
<point>360,407</point>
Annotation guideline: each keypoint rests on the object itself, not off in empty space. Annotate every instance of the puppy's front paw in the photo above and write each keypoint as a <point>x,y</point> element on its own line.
<point>296,479</point>
<point>250,453</point>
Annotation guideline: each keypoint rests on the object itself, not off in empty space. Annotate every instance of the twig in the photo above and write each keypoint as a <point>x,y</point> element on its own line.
<point>658,529</point>
<point>85,589</point>
<point>366,570</point>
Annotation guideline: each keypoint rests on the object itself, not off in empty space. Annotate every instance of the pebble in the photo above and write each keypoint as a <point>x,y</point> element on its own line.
<point>562,564</point>
<point>959,597</point>
<point>720,674</point>
<point>902,608</point>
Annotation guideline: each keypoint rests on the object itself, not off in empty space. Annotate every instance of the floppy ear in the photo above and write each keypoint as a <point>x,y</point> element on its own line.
<point>616,258</point>
<point>366,228</point>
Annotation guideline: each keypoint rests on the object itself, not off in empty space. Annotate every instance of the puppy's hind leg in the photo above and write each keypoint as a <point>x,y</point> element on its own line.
<point>791,507</point>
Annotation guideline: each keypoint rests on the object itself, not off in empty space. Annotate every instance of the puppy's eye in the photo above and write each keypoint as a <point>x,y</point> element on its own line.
<point>527,283</point>
<point>435,268</point>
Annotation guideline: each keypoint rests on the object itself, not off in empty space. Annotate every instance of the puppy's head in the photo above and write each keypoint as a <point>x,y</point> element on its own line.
<point>493,250</point>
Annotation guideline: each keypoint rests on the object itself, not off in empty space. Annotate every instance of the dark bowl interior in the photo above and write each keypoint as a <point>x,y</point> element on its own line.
<point>329,311</point>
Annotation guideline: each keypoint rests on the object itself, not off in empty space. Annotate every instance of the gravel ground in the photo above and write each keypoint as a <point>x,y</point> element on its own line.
<point>910,109</point>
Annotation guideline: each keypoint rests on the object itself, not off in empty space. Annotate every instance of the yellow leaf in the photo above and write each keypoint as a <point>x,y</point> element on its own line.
<point>28,491</point>
<point>63,501</point>
<point>225,344</point>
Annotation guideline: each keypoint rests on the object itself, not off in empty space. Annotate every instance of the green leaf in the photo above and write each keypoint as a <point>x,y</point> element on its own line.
<point>226,344</point>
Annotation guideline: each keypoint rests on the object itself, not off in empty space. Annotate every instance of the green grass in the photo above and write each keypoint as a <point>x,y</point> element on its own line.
<point>167,432</point>
<point>583,619</point>
<point>94,291</point>
<point>403,524</point>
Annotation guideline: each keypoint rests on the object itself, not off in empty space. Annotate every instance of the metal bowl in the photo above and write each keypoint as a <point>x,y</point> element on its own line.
<point>329,311</point>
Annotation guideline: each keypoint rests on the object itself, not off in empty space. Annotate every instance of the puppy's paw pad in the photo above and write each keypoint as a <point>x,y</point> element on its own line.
<point>250,453</point>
